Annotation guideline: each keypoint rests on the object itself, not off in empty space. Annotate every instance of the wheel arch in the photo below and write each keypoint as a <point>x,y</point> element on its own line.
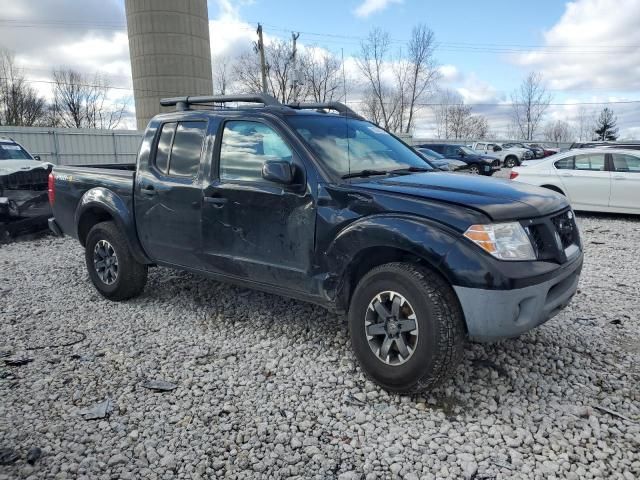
<point>99,205</point>
<point>553,187</point>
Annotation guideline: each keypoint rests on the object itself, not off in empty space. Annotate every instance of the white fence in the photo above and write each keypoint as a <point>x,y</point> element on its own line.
<point>77,146</point>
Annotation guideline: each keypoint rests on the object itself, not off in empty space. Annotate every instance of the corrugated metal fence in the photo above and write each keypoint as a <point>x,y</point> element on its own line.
<point>79,146</point>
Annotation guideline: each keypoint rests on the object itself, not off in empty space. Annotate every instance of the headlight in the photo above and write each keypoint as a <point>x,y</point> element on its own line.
<point>505,241</point>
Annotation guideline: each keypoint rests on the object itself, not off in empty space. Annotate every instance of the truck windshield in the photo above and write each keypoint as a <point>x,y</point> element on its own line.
<point>346,146</point>
<point>11,151</point>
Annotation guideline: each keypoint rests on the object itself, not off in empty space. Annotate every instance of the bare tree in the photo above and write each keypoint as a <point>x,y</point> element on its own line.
<point>20,104</point>
<point>83,102</point>
<point>371,62</point>
<point>323,75</point>
<point>423,73</point>
<point>398,84</point>
<point>558,131</point>
<point>530,102</point>
<point>585,124</point>
<point>444,100</point>
<point>222,73</point>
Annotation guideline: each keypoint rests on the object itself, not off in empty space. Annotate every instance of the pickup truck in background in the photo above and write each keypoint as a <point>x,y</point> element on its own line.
<point>510,155</point>
<point>331,209</point>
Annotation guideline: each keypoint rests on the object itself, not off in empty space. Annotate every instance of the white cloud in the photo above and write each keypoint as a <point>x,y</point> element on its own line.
<point>368,7</point>
<point>592,46</point>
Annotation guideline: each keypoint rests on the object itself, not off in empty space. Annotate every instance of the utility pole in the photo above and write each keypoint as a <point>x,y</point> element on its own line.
<point>263,65</point>
<point>294,37</point>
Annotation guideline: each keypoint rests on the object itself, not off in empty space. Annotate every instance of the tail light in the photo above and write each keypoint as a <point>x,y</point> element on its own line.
<point>513,175</point>
<point>51,188</point>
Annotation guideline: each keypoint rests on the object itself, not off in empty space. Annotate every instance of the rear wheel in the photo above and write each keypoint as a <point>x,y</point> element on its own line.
<point>112,268</point>
<point>406,327</point>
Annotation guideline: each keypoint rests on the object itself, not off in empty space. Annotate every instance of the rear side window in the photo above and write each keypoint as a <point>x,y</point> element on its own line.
<point>179,148</point>
<point>246,146</point>
<point>626,163</point>
<point>565,164</point>
<point>187,146</point>
<point>480,146</point>
<point>594,161</point>
<point>164,147</point>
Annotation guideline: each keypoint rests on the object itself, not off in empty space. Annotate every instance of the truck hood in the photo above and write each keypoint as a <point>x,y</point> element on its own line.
<point>501,200</point>
<point>8,167</point>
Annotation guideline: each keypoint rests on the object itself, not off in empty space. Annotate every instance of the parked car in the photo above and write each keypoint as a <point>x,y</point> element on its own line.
<point>535,151</point>
<point>547,151</point>
<point>443,163</point>
<point>599,180</point>
<point>331,209</point>
<point>477,163</point>
<point>23,190</point>
<point>510,156</point>
<point>625,145</point>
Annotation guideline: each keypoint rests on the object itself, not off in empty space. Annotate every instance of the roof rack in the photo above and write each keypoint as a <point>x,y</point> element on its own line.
<point>337,106</point>
<point>183,103</point>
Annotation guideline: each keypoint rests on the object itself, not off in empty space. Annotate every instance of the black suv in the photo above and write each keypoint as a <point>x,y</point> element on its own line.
<point>478,164</point>
<point>330,209</point>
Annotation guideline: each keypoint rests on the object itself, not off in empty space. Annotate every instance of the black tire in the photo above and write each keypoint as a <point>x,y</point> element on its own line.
<point>510,162</point>
<point>474,169</point>
<point>440,333</point>
<point>130,277</point>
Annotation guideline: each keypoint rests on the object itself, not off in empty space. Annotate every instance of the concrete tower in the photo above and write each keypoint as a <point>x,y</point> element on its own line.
<point>170,52</point>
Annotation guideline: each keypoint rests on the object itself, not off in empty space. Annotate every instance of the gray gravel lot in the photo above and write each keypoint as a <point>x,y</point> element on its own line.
<point>268,388</point>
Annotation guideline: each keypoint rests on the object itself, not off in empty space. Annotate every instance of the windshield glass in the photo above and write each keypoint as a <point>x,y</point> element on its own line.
<point>347,145</point>
<point>11,151</point>
<point>430,153</point>
<point>468,151</point>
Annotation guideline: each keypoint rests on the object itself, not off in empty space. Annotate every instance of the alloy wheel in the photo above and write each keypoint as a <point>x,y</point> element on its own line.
<point>105,262</point>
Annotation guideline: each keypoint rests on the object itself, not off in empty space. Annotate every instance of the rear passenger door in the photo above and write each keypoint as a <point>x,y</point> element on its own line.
<point>253,228</point>
<point>625,182</point>
<point>586,180</point>
<point>168,194</point>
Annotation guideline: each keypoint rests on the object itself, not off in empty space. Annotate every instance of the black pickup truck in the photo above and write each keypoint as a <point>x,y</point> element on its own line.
<point>313,202</point>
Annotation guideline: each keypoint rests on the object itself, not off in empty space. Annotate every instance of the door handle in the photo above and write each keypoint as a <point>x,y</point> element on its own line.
<point>148,190</point>
<point>217,202</point>
<point>567,174</point>
<point>619,177</point>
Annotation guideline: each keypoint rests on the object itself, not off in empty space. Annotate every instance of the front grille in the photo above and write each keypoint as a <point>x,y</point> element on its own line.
<point>31,180</point>
<point>552,236</point>
<point>566,228</point>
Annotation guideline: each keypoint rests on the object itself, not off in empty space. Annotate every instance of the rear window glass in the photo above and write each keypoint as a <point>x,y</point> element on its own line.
<point>12,151</point>
<point>565,164</point>
<point>187,146</point>
<point>164,147</point>
<point>593,161</point>
<point>626,163</point>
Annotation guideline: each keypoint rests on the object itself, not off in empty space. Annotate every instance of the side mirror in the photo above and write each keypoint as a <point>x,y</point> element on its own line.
<point>460,153</point>
<point>278,171</point>
<point>496,148</point>
<point>36,157</point>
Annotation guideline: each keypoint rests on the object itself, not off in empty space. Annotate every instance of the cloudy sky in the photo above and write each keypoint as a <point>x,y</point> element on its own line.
<point>587,50</point>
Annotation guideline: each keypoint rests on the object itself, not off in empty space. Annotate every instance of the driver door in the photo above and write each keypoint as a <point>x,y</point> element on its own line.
<point>253,228</point>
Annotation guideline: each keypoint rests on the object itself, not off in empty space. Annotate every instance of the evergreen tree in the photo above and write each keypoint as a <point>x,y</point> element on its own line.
<point>606,129</point>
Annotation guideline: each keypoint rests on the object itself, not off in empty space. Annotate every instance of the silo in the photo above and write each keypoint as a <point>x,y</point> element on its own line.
<point>170,52</point>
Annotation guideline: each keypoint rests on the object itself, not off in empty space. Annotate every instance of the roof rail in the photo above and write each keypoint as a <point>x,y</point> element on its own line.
<point>183,103</point>
<point>337,106</point>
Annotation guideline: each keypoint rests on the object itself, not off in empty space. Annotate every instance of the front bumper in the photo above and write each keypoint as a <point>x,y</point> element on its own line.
<point>495,314</point>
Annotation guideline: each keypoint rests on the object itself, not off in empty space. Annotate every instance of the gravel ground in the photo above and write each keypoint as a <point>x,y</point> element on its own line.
<point>268,387</point>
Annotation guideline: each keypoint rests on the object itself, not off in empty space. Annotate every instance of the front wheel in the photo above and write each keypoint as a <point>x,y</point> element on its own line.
<point>510,162</point>
<point>474,170</point>
<point>406,327</point>
<point>112,268</point>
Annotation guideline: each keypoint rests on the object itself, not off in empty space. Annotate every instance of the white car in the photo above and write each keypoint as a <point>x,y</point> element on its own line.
<point>510,155</point>
<point>597,180</point>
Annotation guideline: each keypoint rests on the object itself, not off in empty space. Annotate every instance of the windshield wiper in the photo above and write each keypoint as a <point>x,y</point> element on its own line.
<point>365,173</point>
<point>412,170</point>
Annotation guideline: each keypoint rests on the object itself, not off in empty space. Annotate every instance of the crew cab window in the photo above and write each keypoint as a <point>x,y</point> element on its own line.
<point>594,161</point>
<point>179,147</point>
<point>184,160</point>
<point>626,163</point>
<point>246,146</point>
<point>13,151</point>
<point>480,146</point>
<point>164,147</point>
